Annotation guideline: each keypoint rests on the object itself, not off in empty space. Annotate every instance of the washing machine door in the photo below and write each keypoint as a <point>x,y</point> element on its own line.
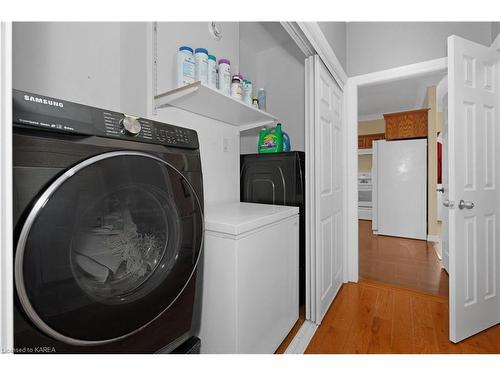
<point>108,247</point>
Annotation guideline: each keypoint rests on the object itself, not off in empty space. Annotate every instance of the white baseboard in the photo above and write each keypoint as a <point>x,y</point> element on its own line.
<point>302,339</point>
<point>433,238</point>
<point>436,244</point>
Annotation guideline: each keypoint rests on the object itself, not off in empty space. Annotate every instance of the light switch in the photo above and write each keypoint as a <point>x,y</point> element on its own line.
<point>226,145</point>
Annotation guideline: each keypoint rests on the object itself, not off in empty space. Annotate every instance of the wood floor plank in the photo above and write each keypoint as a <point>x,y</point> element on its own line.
<point>380,338</point>
<point>360,335</point>
<point>335,328</point>
<point>424,335</point>
<point>440,317</point>
<point>402,324</point>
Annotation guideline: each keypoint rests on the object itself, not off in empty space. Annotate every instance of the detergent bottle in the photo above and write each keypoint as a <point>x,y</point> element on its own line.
<point>286,142</point>
<point>270,140</point>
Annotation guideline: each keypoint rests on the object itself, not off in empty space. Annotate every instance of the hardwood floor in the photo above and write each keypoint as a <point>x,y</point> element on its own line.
<point>372,317</point>
<point>400,261</point>
<point>399,306</point>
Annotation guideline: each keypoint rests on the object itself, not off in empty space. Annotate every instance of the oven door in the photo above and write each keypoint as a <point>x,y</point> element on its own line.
<point>364,195</point>
<point>107,248</point>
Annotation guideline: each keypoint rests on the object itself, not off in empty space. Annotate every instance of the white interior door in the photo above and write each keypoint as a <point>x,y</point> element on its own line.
<point>328,187</point>
<point>473,133</point>
<point>445,246</point>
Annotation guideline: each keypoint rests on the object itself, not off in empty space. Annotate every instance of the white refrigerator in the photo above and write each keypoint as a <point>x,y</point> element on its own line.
<point>399,177</point>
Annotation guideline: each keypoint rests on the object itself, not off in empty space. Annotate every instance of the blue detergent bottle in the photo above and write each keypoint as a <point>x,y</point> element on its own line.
<point>286,142</point>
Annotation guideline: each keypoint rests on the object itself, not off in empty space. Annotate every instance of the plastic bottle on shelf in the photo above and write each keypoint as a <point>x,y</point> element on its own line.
<point>247,92</point>
<point>212,71</point>
<point>255,102</point>
<point>237,87</point>
<point>185,66</point>
<point>225,76</point>
<point>270,140</point>
<point>261,95</point>
<point>201,65</point>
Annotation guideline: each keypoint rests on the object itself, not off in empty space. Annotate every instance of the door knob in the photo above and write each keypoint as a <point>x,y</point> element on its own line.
<point>440,190</point>
<point>448,203</point>
<point>463,204</point>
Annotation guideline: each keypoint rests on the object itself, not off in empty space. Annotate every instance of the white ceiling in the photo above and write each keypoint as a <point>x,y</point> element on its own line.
<point>396,96</point>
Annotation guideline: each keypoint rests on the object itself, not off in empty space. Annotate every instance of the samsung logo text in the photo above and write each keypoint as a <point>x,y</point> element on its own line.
<point>36,99</point>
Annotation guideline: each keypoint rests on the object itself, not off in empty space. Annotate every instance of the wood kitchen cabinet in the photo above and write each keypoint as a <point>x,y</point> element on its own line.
<point>365,141</point>
<point>406,125</point>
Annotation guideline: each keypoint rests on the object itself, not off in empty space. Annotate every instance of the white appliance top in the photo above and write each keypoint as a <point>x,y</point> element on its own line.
<point>241,217</point>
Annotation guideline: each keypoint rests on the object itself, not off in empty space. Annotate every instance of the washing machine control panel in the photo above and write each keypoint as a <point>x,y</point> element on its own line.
<point>128,127</point>
<point>42,112</point>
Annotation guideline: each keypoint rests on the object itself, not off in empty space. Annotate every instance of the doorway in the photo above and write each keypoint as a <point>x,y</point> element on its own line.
<point>398,173</point>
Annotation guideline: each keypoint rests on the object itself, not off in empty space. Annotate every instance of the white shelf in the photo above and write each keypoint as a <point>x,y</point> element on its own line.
<point>209,102</point>
<point>365,151</point>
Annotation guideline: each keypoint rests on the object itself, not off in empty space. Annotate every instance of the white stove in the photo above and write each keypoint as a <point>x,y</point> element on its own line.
<point>365,196</point>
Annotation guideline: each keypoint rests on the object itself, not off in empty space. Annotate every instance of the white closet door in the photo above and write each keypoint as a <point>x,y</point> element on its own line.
<point>328,168</point>
<point>473,135</point>
<point>310,189</point>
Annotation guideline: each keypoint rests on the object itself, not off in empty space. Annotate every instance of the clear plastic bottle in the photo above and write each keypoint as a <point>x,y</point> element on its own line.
<point>261,95</point>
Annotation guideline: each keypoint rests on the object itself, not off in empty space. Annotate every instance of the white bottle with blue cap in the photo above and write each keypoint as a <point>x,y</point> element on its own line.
<point>185,66</point>
<point>201,65</point>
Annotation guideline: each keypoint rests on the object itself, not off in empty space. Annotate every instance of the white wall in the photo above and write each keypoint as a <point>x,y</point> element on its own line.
<point>108,65</point>
<point>373,46</point>
<point>135,80</point>
<point>76,61</point>
<point>336,34</point>
<point>270,59</point>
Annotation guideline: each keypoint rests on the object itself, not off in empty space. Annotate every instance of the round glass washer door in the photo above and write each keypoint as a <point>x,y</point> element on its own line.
<point>108,247</point>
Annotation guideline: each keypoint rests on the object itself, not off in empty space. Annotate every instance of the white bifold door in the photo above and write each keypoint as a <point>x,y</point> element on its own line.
<point>325,139</point>
<point>473,197</point>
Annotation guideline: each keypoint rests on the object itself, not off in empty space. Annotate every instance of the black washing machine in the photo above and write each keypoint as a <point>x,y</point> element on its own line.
<point>108,215</point>
<point>278,178</point>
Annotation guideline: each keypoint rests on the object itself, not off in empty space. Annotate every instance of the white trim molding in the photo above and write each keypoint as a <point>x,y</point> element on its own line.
<point>6,252</point>
<point>402,72</point>
<point>293,29</point>
<point>317,39</point>
<point>301,340</point>
<point>353,83</point>
<point>433,238</point>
